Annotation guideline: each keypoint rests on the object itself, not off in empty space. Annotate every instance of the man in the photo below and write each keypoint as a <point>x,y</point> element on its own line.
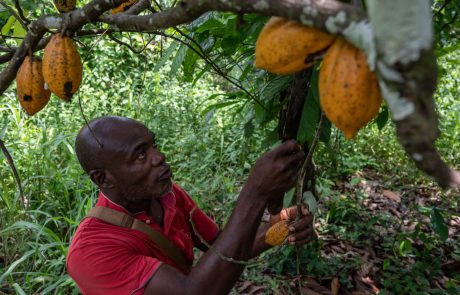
<point>121,158</point>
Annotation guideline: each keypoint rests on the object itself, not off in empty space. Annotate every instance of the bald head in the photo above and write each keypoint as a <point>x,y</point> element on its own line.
<point>102,137</point>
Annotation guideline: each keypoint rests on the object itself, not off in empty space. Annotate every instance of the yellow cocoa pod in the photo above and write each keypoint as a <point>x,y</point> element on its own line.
<point>286,46</point>
<point>348,89</point>
<point>31,86</point>
<point>65,5</point>
<point>62,67</point>
<point>124,6</point>
<point>277,233</point>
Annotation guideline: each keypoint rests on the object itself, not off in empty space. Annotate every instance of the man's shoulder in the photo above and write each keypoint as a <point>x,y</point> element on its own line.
<point>94,233</point>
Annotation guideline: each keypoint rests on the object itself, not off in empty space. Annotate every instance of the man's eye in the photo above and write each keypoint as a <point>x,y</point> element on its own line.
<point>142,155</point>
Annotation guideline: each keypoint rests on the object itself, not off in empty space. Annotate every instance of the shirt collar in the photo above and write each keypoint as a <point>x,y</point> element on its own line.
<point>168,201</point>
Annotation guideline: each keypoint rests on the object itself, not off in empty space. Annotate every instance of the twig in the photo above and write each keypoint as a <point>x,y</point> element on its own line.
<point>442,8</point>
<point>303,170</point>
<point>20,12</point>
<point>299,186</point>
<point>216,68</point>
<point>16,16</point>
<point>79,97</point>
<point>15,171</point>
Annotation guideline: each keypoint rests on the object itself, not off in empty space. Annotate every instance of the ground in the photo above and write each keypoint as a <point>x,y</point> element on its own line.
<point>371,239</point>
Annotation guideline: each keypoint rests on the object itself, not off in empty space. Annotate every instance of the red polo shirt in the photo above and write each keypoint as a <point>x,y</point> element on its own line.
<point>108,259</point>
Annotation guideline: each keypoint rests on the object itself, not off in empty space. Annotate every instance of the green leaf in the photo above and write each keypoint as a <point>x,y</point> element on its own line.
<point>248,129</point>
<point>382,118</point>
<point>208,43</point>
<point>219,105</point>
<point>311,115</point>
<point>229,45</point>
<point>272,89</point>
<point>288,198</point>
<point>438,224</point>
<point>19,32</point>
<point>209,25</point>
<point>189,64</point>
<point>178,59</point>
<point>166,54</point>
<point>309,199</point>
<point>325,133</point>
<point>6,28</point>
<point>309,120</point>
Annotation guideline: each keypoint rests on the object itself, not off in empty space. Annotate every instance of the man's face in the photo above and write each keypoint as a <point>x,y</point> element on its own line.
<point>139,169</point>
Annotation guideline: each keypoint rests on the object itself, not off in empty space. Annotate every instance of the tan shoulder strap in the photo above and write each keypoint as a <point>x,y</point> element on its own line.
<point>124,220</point>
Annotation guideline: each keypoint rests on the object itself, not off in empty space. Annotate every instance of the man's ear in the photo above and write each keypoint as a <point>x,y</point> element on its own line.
<point>101,178</point>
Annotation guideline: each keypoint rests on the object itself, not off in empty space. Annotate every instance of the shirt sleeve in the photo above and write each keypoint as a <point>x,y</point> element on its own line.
<point>100,268</point>
<point>206,228</point>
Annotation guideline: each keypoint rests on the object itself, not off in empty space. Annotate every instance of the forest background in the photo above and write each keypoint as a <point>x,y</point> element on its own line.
<point>384,227</point>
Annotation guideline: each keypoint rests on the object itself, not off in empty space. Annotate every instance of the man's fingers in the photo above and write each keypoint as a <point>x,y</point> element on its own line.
<point>287,148</point>
<point>291,212</point>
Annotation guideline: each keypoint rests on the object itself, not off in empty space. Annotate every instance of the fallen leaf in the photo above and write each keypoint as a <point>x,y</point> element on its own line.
<point>392,196</point>
<point>335,286</point>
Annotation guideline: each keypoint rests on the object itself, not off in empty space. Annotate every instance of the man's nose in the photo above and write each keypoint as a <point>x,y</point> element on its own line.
<point>158,158</point>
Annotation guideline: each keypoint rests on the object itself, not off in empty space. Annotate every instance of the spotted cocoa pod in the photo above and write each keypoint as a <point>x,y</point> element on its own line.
<point>286,46</point>
<point>277,233</point>
<point>62,67</point>
<point>65,5</point>
<point>348,89</point>
<point>30,86</point>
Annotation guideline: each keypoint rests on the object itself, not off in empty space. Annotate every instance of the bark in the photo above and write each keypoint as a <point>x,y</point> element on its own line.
<point>398,39</point>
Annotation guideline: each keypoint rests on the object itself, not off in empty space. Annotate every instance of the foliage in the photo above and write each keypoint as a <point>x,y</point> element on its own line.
<point>213,114</point>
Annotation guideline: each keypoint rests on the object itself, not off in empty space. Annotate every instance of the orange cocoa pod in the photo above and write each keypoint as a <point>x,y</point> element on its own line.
<point>124,6</point>
<point>286,46</point>
<point>349,91</point>
<point>277,233</point>
<point>62,67</point>
<point>65,5</point>
<point>31,86</point>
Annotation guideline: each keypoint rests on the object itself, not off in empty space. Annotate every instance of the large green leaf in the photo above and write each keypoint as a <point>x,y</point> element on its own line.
<point>272,89</point>
<point>166,55</point>
<point>382,118</point>
<point>189,64</point>
<point>311,115</point>
<point>19,32</point>
<point>6,28</point>
<point>438,224</point>
<point>178,59</point>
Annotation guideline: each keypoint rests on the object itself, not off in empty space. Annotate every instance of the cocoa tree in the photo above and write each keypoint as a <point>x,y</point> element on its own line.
<point>397,37</point>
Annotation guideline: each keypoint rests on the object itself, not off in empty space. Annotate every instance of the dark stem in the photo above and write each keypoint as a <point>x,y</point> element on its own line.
<point>15,171</point>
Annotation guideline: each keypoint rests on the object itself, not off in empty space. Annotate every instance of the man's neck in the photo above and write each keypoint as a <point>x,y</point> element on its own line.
<point>152,207</point>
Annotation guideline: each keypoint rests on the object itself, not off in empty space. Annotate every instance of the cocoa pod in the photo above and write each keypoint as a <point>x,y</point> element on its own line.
<point>277,233</point>
<point>286,47</point>
<point>349,91</point>
<point>124,6</point>
<point>31,86</point>
<point>62,67</point>
<point>65,5</point>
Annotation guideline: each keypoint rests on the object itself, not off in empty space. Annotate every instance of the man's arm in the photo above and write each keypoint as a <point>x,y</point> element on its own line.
<point>273,174</point>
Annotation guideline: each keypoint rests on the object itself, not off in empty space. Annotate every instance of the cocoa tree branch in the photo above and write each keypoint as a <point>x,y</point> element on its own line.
<point>138,7</point>
<point>407,84</point>
<point>89,13</point>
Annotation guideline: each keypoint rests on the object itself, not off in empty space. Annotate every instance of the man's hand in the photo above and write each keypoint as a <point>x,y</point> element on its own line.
<point>275,172</point>
<point>301,231</point>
